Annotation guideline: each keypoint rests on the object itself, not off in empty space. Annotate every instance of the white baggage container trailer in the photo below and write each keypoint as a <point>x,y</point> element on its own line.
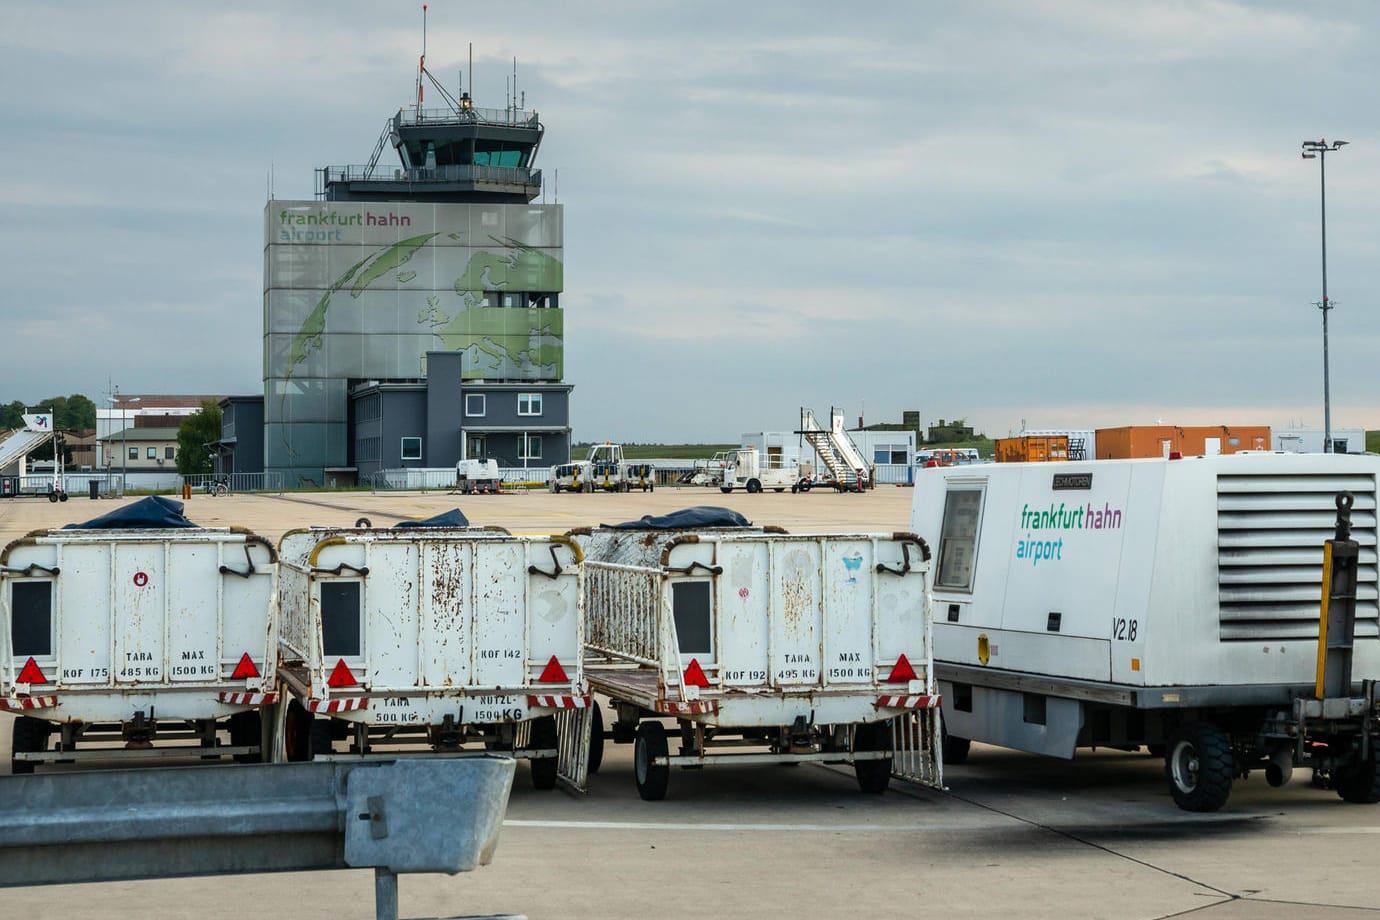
<point>132,636</point>
<point>780,648</point>
<point>436,636</point>
<point>1170,603</point>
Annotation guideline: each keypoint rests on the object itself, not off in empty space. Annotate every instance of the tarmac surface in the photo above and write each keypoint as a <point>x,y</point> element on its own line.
<point>1013,835</point>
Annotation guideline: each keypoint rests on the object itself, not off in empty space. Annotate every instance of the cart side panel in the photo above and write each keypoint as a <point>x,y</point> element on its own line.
<point>796,612</point>
<point>850,586</point>
<point>902,612</point>
<point>742,633</point>
<point>249,622</point>
<point>390,604</point>
<point>81,616</point>
<point>138,592</point>
<point>447,612</point>
<point>554,611</point>
<point>499,615</point>
<point>192,608</point>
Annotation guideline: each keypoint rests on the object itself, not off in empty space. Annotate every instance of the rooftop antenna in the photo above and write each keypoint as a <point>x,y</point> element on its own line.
<point>421,65</point>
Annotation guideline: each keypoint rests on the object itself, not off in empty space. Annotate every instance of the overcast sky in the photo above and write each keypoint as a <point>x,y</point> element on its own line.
<point>1076,214</point>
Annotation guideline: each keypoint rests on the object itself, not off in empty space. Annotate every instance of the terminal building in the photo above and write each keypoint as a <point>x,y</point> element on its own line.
<point>412,313</point>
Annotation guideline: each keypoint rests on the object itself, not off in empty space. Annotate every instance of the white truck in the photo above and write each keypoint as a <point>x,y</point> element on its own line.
<point>477,477</point>
<point>747,469</point>
<point>1167,603</point>
<point>434,635</point>
<point>133,628</point>
<point>603,470</point>
<point>765,647</point>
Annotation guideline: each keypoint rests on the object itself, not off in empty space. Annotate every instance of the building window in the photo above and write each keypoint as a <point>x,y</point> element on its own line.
<point>169,453</point>
<point>890,453</point>
<point>474,404</point>
<point>533,442</point>
<point>412,448</point>
<point>529,404</point>
<point>134,453</point>
<point>152,453</point>
<point>475,448</point>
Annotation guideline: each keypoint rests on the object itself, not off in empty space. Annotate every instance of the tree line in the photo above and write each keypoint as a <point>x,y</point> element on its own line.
<point>70,413</point>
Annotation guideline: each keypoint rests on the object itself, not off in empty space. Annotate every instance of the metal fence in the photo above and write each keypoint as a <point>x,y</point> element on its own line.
<point>235,482</point>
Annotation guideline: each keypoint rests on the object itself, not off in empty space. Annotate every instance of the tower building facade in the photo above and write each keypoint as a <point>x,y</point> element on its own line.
<point>412,313</point>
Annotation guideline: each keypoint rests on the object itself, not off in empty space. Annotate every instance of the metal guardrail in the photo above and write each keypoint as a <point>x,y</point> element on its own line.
<point>435,814</point>
<point>237,482</point>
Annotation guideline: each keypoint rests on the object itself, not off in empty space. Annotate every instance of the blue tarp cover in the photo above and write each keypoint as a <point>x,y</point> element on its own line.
<point>152,512</point>
<point>452,518</point>
<point>686,518</point>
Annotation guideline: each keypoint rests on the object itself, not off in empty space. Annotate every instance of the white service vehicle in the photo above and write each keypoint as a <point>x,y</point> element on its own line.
<point>1170,603</point>
<point>435,635</point>
<point>747,469</point>
<point>603,470</point>
<point>477,476</point>
<point>155,630</point>
<point>765,647</point>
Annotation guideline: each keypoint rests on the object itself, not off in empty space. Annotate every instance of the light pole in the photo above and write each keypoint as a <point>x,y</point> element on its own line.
<point>1319,149</point>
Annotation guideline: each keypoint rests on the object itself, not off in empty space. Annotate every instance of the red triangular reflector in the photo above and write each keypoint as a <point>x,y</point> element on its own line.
<point>32,674</point>
<point>342,676</point>
<point>245,669</point>
<point>694,674</point>
<point>902,672</point>
<point>553,673</point>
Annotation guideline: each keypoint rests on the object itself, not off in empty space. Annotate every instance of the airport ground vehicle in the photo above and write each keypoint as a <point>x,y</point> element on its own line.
<point>765,647</point>
<point>603,470</point>
<point>135,627</point>
<point>477,476</point>
<point>434,634</point>
<point>1166,603</point>
<point>747,469</point>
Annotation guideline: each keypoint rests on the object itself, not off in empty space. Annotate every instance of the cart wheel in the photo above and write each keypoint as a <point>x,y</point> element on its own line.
<point>1358,782</point>
<point>725,489</point>
<point>543,768</point>
<point>30,737</point>
<point>754,486</point>
<point>52,497</point>
<point>952,748</point>
<point>873,775</point>
<point>246,729</point>
<point>648,744</point>
<point>596,740</point>
<point>1199,766</point>
<point>297,732</point>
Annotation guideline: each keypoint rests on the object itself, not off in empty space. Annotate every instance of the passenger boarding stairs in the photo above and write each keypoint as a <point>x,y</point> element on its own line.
<point>37,431</point>
<point>835,448</point>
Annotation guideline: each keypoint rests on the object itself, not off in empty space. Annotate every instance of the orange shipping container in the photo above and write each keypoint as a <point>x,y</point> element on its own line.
<point>1192,441</point>
<point>1032,448</point>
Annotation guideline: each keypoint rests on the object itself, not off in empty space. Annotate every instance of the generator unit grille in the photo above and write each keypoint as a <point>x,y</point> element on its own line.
<point>1270,535</point>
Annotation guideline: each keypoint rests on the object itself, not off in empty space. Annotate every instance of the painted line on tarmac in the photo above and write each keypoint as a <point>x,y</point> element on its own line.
<point>769,828</point>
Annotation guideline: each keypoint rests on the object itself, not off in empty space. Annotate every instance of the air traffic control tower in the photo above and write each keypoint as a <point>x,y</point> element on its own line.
<point>411,312</point>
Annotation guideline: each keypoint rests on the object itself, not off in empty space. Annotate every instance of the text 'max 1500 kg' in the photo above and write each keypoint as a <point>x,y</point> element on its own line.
<point>1171,603</point>
<point>134,627</point>
<point>440,635</point>
<point>765,647</point>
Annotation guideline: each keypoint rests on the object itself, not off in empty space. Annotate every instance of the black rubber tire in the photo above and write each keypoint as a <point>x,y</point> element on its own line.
<point>246,729</point>
<point>297,724</point>
<point>725,489</point>
<point>652,779</point>
<point>62,496</point>
<point>1199,766</point>
<point>30,736</point>
<point>53,497</point>
<point>952,748</point>
<point>753,486</point>
<point>1358,782</point>
<point>874,776</point>
<point>805,486</point>
<point>596,740</point>
<point>543,735</point>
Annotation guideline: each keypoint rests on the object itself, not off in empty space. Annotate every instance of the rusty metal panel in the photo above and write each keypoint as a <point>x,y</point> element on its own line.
<point>447,611</point>
<point>390,605</point>
<point>795,612</point>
